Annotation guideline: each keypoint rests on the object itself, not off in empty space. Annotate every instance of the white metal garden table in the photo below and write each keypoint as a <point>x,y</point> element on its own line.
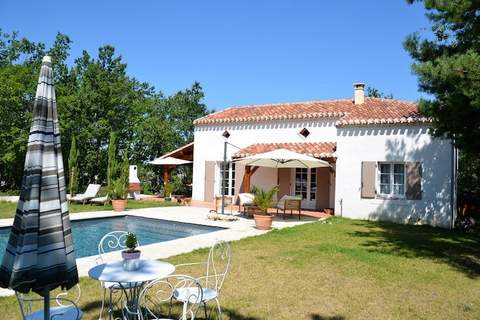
<point>114,272</point>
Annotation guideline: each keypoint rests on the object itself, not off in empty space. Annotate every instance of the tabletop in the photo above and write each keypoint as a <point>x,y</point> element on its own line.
<point>148,270</point>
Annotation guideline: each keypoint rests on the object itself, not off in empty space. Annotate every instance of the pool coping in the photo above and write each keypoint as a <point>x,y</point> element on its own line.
<point>233,230</point>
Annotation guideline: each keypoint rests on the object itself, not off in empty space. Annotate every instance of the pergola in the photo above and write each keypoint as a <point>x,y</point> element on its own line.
<point>180,156</point>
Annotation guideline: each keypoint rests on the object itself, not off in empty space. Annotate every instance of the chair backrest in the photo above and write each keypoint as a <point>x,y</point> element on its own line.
<point>218,265</point>
<point>63,299</point>
<point>246,198</point>
<point>112,241</point>
<point>154,301</point>
<point>293,204</point>
<point>92,190</point>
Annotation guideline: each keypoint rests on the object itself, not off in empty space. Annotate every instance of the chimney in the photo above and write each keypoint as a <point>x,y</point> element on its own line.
<point>359,93</point>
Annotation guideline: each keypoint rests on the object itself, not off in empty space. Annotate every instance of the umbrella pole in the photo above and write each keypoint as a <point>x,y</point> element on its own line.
<point>46,305</point>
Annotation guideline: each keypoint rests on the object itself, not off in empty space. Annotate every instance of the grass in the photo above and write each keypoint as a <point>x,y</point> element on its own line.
<point>7,209</point>
<point>345,269</point>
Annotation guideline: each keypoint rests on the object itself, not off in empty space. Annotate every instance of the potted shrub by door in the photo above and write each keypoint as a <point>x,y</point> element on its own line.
<point>118,194</point>
<point>263,200</point>
<point>131,256</point>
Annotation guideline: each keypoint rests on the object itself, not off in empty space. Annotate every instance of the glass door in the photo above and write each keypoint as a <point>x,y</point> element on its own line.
<point>305,182</point>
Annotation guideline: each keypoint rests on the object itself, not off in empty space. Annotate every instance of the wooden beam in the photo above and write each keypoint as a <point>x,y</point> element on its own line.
<point>167,173</point>
<point>249,171</point>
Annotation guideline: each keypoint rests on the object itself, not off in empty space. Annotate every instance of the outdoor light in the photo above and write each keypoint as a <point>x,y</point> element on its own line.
<point>226,134</point>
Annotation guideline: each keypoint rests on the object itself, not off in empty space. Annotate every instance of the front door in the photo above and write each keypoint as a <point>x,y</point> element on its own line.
<point>305,182</point>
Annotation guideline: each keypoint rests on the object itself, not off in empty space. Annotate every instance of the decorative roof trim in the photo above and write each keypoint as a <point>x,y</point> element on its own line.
<point>313,115</point>
<point>366,122</point>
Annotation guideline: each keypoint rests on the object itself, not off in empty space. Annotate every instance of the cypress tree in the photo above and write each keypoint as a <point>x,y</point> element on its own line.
<point>73,167</point>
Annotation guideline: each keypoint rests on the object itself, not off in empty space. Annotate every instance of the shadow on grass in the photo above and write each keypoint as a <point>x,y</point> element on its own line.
<point>460,250</point>
<point>315,316</point>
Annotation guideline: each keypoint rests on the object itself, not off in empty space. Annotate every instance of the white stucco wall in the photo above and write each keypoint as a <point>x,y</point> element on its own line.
<point>208,142</point>
<point>354,145</point>
<point>409,143</point>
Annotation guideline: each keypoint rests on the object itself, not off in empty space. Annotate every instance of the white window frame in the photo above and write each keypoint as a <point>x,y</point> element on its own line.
<point>391,195</point>
<point>231,178</point>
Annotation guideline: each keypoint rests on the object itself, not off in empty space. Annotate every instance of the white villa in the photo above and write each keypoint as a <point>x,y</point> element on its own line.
<point>384,163</point>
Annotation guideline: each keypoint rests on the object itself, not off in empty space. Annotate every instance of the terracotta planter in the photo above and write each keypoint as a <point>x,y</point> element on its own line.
<point>263,222</point>
<point>119,205</point>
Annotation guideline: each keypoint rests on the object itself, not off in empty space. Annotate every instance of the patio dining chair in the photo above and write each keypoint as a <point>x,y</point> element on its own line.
<point>66,308</point>
<point>215,270</point>
<point>112,241</point>
<point>157,299</point>
<point>289,203</point>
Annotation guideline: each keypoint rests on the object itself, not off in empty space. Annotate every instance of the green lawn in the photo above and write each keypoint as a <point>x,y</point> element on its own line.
<point>344,270</point>
<point>7,209</point>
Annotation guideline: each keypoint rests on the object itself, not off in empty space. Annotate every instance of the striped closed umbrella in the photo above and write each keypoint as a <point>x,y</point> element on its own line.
<point>39,254</point>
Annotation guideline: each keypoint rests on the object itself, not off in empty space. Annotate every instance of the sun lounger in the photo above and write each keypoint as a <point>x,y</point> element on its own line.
<point>99,200</point>
<point>89,194</point>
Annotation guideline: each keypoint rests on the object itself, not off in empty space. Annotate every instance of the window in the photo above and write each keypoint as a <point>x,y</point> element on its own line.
<point>313,183</point>
<point>391,179</point>
<point>301,182</point>
<point>227,174</point>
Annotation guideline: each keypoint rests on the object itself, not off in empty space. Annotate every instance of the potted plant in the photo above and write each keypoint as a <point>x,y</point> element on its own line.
<point>118,194</point>
<point>131,255</point>
<point>263,200</point>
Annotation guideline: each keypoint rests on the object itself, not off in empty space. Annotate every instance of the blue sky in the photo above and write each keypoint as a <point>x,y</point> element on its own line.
<point>242,52</point>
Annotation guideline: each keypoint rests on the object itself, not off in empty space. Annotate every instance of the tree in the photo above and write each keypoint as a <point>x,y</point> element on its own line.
<point>375,93</point>
<point>95,97</point>
<point>448,69</point>
<point>112,161</point>
<point>73,168</point>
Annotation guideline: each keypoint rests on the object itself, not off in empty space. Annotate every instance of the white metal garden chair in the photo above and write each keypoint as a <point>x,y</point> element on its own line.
<point>156,300</point>
<point>112,241</point>
<point>216,267</point>
<point>66,308</point>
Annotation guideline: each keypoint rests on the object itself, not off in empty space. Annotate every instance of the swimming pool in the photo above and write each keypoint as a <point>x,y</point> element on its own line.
<point>88,232</point>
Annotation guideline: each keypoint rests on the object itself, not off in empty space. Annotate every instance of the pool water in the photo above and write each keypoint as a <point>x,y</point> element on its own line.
<point>88,233</point>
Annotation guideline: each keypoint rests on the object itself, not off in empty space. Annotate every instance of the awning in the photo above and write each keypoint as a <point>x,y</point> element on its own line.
<point>169,161</point>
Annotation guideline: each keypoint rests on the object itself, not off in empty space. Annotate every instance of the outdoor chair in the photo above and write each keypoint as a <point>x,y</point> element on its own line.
<point>290,203</point>
<point>112,241</point>
<point>245,200</point>
<point>215,270</point>
<point>99,200</point>
<point>66,309</point>
<point>90,193</point>
<point>228,201</point>
<point>157,299</point>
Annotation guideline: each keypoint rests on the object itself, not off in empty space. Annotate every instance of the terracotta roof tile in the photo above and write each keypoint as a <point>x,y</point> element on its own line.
<point>313,149</point>
<point>372,111</point>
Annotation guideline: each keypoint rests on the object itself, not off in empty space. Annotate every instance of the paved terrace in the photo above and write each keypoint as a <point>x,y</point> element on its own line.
<point>235,230</point>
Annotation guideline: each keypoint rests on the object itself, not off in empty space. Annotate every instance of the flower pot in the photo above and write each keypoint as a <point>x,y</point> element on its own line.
<point>131,259</point>
<point>263,222</point>
<point>119,205</point>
